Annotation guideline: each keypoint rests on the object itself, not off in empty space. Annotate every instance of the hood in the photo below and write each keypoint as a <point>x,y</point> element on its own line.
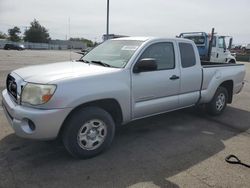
<point>63,70</point>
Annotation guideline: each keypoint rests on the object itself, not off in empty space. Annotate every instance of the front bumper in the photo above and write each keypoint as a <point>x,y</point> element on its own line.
<point>47,123</point>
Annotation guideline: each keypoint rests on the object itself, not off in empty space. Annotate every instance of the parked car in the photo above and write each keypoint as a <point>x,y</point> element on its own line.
<point>119,81</point>
<point>14,47</point>
<point>86,50</point>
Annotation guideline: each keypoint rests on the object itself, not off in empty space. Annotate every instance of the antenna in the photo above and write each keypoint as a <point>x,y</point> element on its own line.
<point>70,58</point>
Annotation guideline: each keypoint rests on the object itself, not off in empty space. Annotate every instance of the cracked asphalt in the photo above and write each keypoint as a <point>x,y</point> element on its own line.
<point>185,148</point>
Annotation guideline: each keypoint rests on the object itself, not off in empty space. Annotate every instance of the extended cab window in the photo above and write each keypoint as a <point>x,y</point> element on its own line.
<point>187,55</point>
<point>163,53</point>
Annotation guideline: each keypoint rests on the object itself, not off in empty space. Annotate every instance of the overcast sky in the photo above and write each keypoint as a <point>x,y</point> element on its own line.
<point>129,17</point>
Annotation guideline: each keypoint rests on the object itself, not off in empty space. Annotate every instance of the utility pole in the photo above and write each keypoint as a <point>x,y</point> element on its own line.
<point>107,31</point>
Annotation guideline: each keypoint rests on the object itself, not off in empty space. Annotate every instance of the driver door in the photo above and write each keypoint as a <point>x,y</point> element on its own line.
<point>156,91</point>
<point>219,52</point>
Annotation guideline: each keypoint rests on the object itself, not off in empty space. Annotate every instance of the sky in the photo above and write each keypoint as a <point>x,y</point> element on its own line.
<point>164,18</point>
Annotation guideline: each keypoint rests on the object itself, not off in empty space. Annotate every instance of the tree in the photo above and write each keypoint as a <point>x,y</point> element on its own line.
<point>88,42</point>
<point>14,34</point>
<point>3,35</point>
<point>36,33</point>
<point>95,44</point>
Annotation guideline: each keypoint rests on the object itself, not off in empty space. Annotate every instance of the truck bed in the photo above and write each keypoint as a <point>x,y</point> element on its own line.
<point>214,74</point>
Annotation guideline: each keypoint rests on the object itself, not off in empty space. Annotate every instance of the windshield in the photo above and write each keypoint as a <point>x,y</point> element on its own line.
<point>114,53</point>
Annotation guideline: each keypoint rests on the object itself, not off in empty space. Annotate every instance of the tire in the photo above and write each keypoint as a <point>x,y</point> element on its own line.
<point>219,102</point>
<point>88,132</point>
<point>232,61</point>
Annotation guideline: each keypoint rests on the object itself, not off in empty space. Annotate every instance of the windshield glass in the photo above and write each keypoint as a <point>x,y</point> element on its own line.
<point>115,53</point>
<point>196,39</point>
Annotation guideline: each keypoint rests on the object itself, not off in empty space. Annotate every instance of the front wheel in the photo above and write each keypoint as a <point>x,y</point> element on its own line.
<point>88,132</point>
<point>219,102</point>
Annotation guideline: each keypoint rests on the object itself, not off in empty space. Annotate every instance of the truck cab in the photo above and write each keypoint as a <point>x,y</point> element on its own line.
<point>220,49</point>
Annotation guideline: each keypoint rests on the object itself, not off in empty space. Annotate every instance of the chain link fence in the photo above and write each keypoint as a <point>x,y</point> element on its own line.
<point>35,46</point>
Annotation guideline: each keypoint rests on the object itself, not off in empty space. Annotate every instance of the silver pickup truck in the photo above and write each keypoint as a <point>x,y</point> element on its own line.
<point>119,81</point>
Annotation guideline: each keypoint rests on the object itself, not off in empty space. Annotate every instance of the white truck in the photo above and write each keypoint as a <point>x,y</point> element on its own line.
<point>119,81</point>
<point>245,47</point>
<point>216,50</point>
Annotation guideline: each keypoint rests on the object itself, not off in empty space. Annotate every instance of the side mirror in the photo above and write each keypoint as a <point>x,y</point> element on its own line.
<point>145,65</point>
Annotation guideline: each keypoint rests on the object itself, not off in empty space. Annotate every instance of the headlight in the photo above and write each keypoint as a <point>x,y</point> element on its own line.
<point>36,94</point>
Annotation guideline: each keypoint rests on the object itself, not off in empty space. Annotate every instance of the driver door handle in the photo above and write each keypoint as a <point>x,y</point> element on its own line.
<point>174,77</point>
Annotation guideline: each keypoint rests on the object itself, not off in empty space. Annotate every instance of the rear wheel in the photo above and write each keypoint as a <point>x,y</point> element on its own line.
<point>232,61</point>
<point>88,132</point>
<point>219,102</point>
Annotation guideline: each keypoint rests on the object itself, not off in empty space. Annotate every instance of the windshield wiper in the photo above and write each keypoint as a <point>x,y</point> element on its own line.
<point>83,60</point>
<point>101,63</point>
<point>96,62</point>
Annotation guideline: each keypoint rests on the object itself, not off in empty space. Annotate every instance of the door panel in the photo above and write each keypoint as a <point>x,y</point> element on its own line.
<point>156,91</point>
<point>218,52</point>
<point>190,85</point>
<point>191,75</point>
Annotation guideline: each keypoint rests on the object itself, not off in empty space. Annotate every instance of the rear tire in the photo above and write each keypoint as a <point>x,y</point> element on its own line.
<point>88,132</point>
<point>219,102</point>
<point>232,61</point>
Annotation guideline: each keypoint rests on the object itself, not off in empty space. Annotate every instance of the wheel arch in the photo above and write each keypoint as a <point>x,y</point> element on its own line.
<point>229,87</point>
<point>112,106</point>
<point>232,61</point>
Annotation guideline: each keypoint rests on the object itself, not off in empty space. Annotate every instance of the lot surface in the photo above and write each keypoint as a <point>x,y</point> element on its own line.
<point>178,149</point>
